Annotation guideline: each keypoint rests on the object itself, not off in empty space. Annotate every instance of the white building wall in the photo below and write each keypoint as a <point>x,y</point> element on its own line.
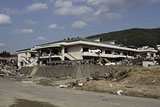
<point>24,57</point>
<point>20,58</point>
<point>76,51</point>
<point>158,47</point>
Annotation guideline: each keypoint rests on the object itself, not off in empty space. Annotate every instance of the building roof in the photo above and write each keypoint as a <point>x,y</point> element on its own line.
<point>25,50</point>
<point>83,41</point>
<point>71,40</point>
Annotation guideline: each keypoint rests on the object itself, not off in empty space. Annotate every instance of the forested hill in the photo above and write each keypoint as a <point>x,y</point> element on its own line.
<point>136,37</point>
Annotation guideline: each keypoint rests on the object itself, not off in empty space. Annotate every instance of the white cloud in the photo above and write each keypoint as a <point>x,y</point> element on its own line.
<point>8,11</point>
<point>2,44</point>
<point>79,24</point>
<point>30,22</point>
<point>55,26</point>
<point>74,10</point>
<point>111,15</point>
<point>97,9</point>
<point>103,9</point>
<point>113,2</point>
<point>37,6</point>
<point>52,26</point>
<point>22,31</point>
<point>110,9</point>
<point>5,19</point>
<point>67,8</point>
<point>40,38</point>
<point>63,4</point>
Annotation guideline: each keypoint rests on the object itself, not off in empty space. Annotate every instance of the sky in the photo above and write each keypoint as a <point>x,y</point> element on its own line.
<point>26,23</point>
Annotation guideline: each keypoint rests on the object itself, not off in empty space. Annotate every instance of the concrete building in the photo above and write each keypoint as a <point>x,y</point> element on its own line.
<point>27,57</point>
<point>8,61</point>
<point>78,49</point>
<point>158,47</point>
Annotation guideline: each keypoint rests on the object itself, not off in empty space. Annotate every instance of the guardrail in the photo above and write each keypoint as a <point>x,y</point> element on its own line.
<point>72,62</point>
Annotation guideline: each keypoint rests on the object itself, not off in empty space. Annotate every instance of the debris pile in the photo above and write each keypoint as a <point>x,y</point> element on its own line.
<point>96,75</point>
<point>117,75</point>
<point>8,72</point>
<point>63,82</point>
<point>138,81</point>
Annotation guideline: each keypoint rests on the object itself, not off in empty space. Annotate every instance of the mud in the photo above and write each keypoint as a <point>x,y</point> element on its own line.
<point>28,103</point>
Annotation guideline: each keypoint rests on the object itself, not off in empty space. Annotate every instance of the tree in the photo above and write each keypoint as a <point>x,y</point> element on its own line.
<point>5,54</point>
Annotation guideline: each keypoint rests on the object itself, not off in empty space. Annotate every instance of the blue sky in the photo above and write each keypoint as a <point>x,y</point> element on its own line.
<point>25,23</point>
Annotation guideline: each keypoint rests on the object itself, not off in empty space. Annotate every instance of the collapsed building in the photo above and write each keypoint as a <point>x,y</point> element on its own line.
<point>8,61</point>
<point>79,49</point>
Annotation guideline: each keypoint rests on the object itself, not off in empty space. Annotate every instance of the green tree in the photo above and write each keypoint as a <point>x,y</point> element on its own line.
<point>5,54</point>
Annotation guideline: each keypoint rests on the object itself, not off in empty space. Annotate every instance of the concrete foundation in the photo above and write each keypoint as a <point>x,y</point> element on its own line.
<point>74,71</point>
<point>26,70</point>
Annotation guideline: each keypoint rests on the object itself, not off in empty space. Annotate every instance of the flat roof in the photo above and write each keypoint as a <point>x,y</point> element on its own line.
<point>71,40</point>
<point>82,41</point>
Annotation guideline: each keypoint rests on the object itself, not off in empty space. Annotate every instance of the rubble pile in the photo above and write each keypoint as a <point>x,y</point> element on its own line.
<point>138,81</point>
<point>8,68</point>
<point>117,75</point>
<point>8,72</point>
<point>132,81</point>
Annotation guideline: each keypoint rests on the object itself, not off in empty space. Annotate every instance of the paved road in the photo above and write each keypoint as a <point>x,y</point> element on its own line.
<point>11,90</point>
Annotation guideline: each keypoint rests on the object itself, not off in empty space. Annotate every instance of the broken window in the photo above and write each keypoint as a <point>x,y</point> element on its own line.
<point>108,51</point>
<point>116,53</point>
<point>85,49</point>
<point>65,50</point>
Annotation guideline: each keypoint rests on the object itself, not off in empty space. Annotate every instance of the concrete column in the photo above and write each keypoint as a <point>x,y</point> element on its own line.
<point>103,51</point>
<point>112,52</point>
<point>27,55</point>
<point>121,53</point>
<point>81,52</point>
<point>148,55</point>
<point>62,52</point>
<point>81,49</point>
<point>40,63</point>
<point>154,54</point>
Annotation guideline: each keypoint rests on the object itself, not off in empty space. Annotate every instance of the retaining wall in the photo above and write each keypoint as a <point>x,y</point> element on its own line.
<point>26,70</point>
<point>74,71</point>
<point>57,71</point>
<point>87,70</point>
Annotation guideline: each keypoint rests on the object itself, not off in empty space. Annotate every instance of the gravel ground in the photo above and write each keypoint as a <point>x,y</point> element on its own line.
<point>13,92</point>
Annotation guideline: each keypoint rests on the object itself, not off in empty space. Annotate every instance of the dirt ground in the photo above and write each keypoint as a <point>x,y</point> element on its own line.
<point>28,94</point>
<point>28,103</point>
<point>139,82</point>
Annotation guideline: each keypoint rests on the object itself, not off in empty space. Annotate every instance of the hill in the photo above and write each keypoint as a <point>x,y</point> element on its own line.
<point>136,37</point>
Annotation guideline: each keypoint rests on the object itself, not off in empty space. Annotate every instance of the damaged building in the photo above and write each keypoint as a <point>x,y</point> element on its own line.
<point>79,49</point>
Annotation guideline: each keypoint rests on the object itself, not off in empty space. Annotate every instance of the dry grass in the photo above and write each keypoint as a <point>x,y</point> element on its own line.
<point>144,76</point>
<point>140,82</point>
<point>99,86</point>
